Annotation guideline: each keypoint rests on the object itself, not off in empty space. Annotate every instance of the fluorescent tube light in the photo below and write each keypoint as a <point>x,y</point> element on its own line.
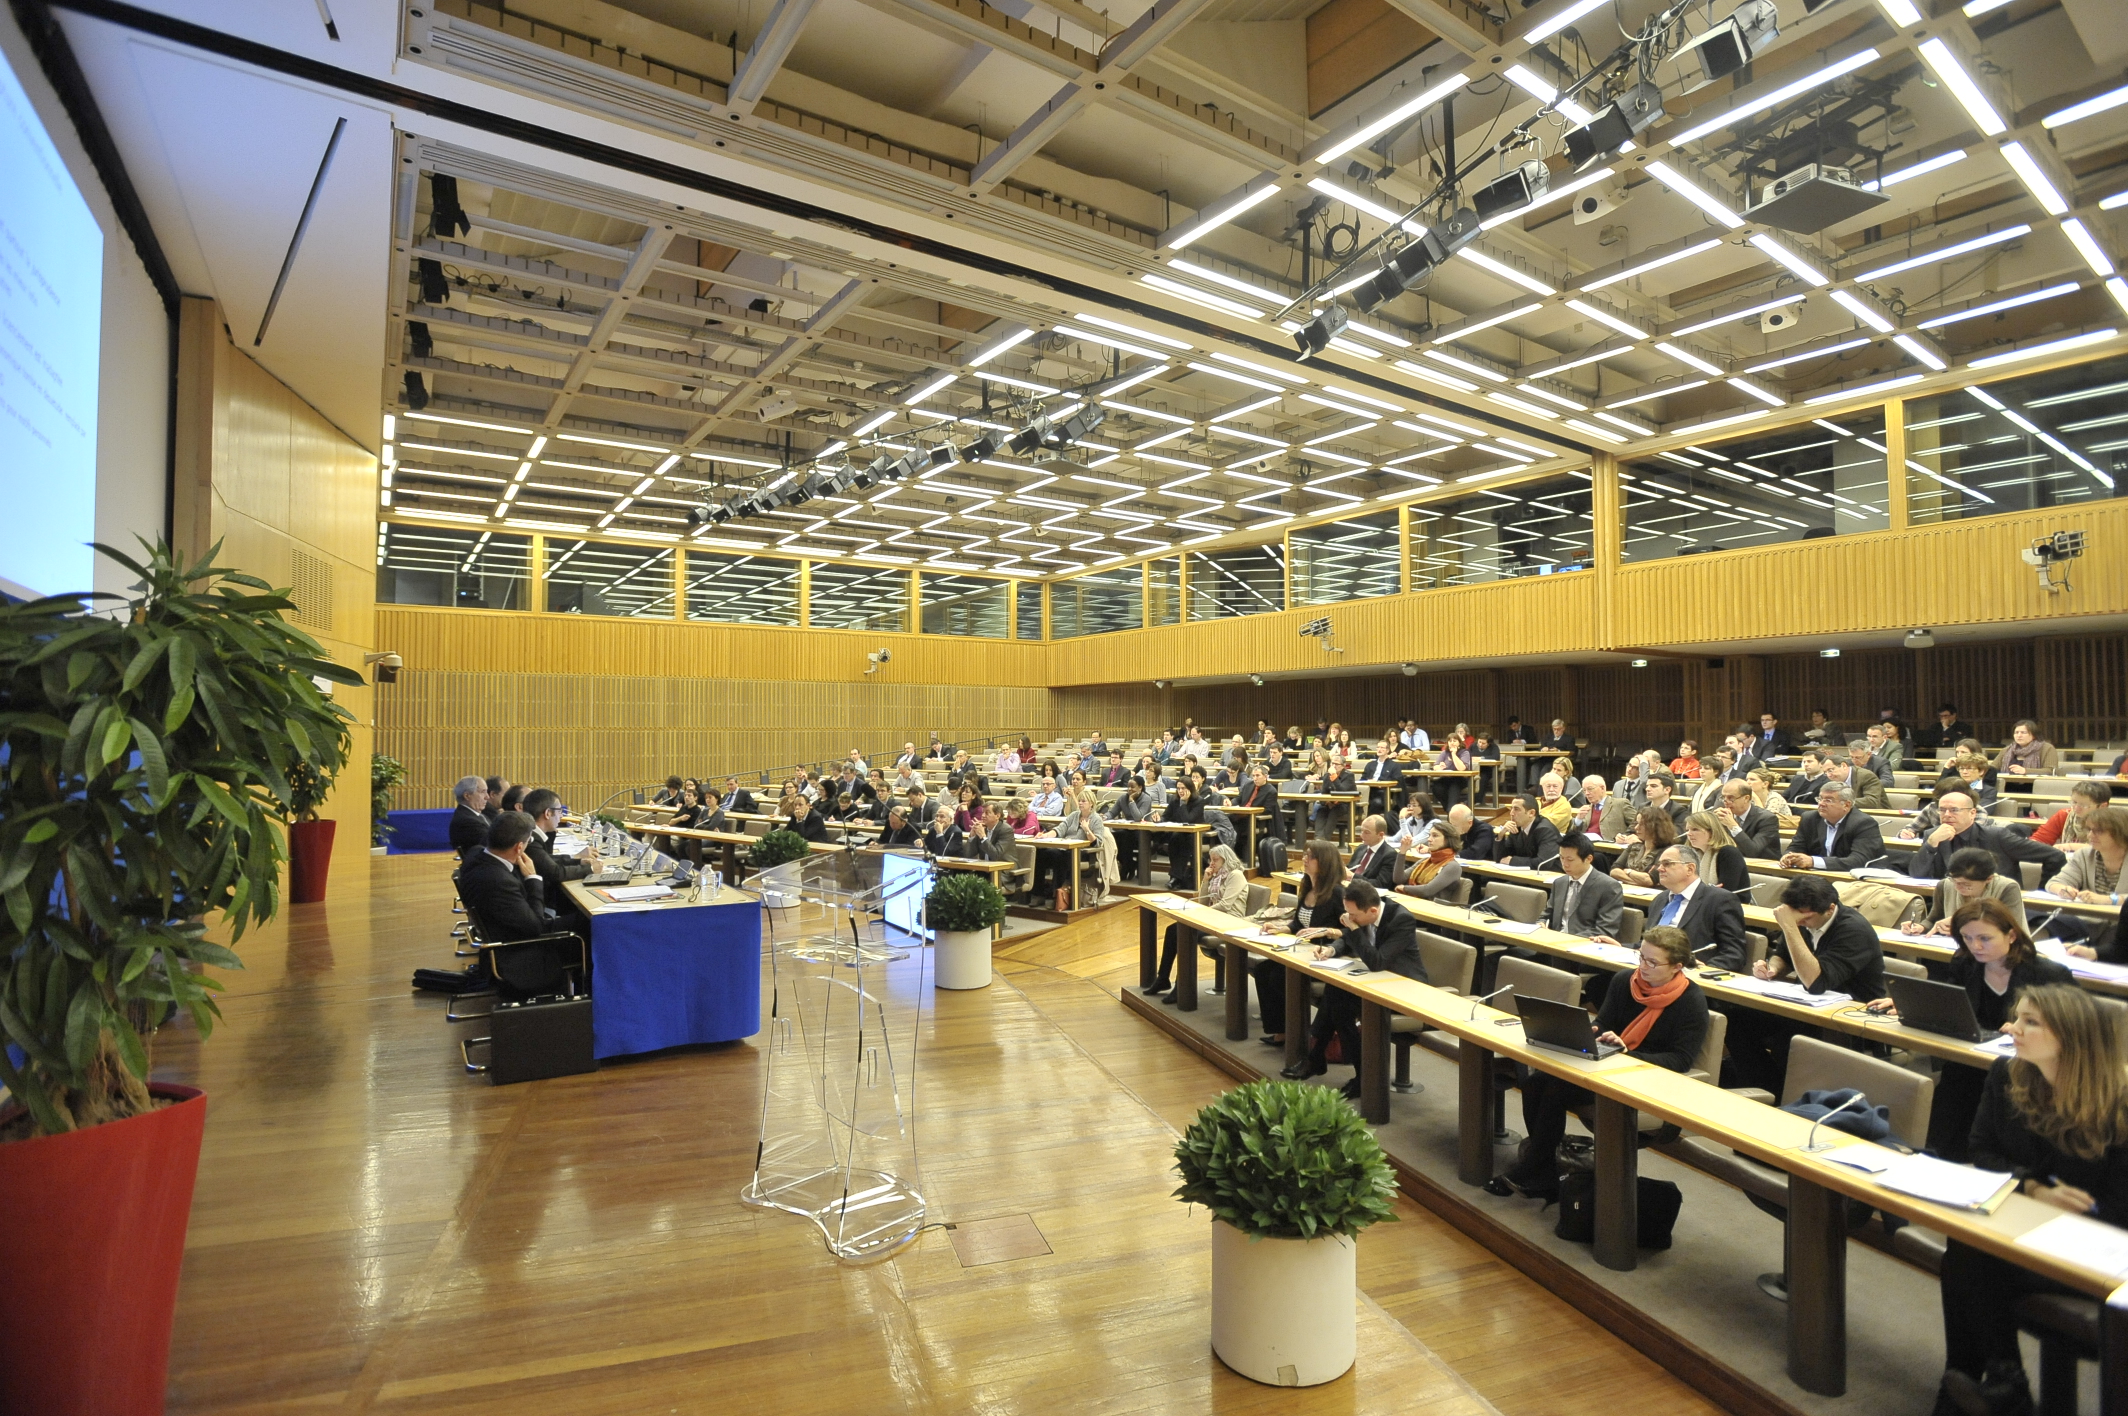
<point>1900,12</point>
<point>1550,397</point>
<point>1944,253</point>
<point>1593,431</point>
<point>2090,107</point>
<point>1268,370</point>
<point>1514,314</point>
<point>1921,353</point>
<point>1553,24</point>
<point>1860,389</point>
<point>1000,345</point>
<point>1818,353</point>
<point>1239,287</point>
<point>2098,336</point>
<point>1763,395</point>
<point>2088,247</point>
<point>1645,266</point>
<point>1653,394</point>
<point>1504,270</point>
<point>1398,114</point>
<point>1789,258</point>
<point>1993,306</point>
<point>1934,164</point>
<point>1436,376</point>
<point>1202,297</point>
<point>1227,213</point>
<point>1394,341</point>
<point>1938,56</point>
<point>1606,318</point>
<point>1860,309</point>
<point>1685,357</point>
<point>1586,179</point>
<point>1779,96</point>
<point>930,388</point>
<point>1695,194</point>
<point>1354,200</point>
<point>2118,289</point>
<point>2035,179</point>
<point>1132,332</point>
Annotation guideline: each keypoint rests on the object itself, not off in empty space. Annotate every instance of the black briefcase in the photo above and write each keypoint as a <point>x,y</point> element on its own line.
<point>540,1037</point>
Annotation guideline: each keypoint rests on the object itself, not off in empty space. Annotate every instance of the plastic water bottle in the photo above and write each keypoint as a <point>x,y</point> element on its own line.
<point>716,884</point>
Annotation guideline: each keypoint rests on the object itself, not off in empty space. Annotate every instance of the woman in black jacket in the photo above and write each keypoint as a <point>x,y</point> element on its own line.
<point>1995,962</point>
<point>1317,912</point>
<point>1720,860</point>
<point>1655,1012</point>
<point>2056,1117</point>
<point>1183,808</point>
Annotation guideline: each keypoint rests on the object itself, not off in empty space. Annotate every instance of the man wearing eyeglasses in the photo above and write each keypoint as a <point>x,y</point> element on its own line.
<point>1961,826</point>
<point>1838,837</point>
<point>1707,913</point>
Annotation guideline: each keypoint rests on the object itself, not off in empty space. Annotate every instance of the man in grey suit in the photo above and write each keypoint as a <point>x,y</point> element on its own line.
<point>1707,913</point>
<point>1585,901</point>
<point>1757,831</point>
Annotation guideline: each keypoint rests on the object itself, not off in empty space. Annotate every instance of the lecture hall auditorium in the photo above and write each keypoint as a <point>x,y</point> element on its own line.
<point>1069,705</point>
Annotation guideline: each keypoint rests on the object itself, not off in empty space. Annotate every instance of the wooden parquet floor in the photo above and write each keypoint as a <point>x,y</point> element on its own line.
<point>376,1231</point>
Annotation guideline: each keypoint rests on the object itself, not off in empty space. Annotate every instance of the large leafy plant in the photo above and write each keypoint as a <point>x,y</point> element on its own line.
<point>776,848</point>
<point>1282,1160</point>
<point>149,756</point>
<point>385,774</point>
<point>963,902</point>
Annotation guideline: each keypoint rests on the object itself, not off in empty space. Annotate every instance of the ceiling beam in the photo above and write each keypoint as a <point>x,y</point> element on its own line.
<point>765,58</point>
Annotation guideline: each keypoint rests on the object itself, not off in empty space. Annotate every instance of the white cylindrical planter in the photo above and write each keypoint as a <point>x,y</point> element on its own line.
<point>962,958</point>
<point>1283,1310</point>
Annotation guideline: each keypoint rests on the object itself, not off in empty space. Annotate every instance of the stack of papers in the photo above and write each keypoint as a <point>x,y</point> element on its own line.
<point>1940,1182</point>
<point>2082,968</point>
<point>1786,990</point>
<point>1878,872</point>
<point>2000,1045</point>
<point>620,894</point>
<point>1516,926</point>
<point>2087,1243</point>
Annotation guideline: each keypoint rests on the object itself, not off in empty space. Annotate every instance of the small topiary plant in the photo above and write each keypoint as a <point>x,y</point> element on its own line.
<point>776,848</point>
<point>1283,1160</point>
<point>963,902</point>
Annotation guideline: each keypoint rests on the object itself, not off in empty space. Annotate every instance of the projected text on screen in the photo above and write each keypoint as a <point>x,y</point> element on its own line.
<point>51,313</point>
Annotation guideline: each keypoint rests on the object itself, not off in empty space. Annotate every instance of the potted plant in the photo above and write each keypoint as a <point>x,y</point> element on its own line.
<point>962,909</point>
<point>148,750</point>
<point>310,838</point>
<point>778,888</point>
<point>385,773</point>
<point>1291,1174</point>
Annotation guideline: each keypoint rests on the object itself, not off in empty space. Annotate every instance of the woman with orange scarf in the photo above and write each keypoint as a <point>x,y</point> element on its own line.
<point>1655,1012</point>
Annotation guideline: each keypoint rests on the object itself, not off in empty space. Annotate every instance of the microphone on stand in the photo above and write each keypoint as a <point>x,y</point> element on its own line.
<point>1505,988</point>
<point>1541,864</point>
<point>1811,1146</point>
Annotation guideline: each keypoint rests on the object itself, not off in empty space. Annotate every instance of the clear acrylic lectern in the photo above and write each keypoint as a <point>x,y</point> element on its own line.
<point>838,1111</point>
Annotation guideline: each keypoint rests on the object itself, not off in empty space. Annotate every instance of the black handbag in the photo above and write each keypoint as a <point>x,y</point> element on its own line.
<point>1657,1204</point>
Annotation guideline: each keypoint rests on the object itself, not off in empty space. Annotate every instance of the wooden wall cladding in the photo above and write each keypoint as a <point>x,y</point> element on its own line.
<point>1958,573</point>
<point>1539,615</point>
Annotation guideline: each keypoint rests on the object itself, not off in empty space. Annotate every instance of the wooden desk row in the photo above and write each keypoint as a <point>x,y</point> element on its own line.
<point>1625,1087</point>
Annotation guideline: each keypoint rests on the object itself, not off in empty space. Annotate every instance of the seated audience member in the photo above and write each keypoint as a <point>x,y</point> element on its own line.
<point>1008,760</point>
<point>1769,800</point>
<point>1960,826</point>
<point>1383,935</point>
<point>907,758</point>
<point>736,797</point>
<point>1021,818</point>
<point>1526,838</point>
<point>1294,741</point>
<point>1996,960</point>
<point>1278,763</point>
<point>1226,889</point>
<point>2065,828</point>
<point>945,838</point>
<point>1948,731</point>
<point>2093,875</point>
<point>1632,783</point>
<point>806,821</point>
<point>1048,799</point>
<point>905,777</point>
<point>1552,802</point>
<point>1261,794</point>
<point>1558,739</point>
<point>1435,867</point>
<point>843,809</point>
<point>855,761</point>
<point>687,815</point>
<point>1167,749</point>
<point>1887,740</point>
<point>1485,756</point>
<point>1477,835</point>
<point>992,839</point>
<point>544,809</point>
<point>1413,738</point>
<point>1374,858</point>
<point>1652,831</point>
<point>1454,756</point>
<point>1711,917</point>
<point>2029,754</point>
<point>1113,773</point>
<point>1383,766</point>
<point>497,786</point>
<point>1715,770</point>
<point>1318,913</point>
<point>1515,734</point>
<point>500,884</point>
<point>1605,815</point>
<point>1584,901</point>
<point>1974,748</point>
<point>1865,758</point>
<point>1414,819</point>
<point>1052,867</point>
<point>1825,946</point>
<point>872,787</point>
<point>1972,772</point>
<point>1838,837</point>
<point>1337,781</point>
<point>965,773</point>
<point>1771,740</point>
<point>804,785</point>
<point>1660,791</point>
<point>1186,808</point>
<point>1869,792</point>
<point>1655,1012</point>
<point>469,823</point>
<point>1971,876</point>
<point>1756,831</point>
<point>968,811</point>
<point>669,794</point>
<point>1719,858</point>
<point>1569,784</point>
<point>1821,731</point>
<point>898,831</point>
<point>2055,1116</point>
<point>920,806</point>
<point>936,752</point>
<point>1686,763</point>
<point>1803,786</point>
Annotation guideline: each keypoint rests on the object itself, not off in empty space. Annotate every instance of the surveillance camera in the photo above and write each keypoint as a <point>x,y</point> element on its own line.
<point>882,656</point>
<point>1920,639</point>
<point>1257,679</point>
<point>1775,321</point>
<point>1160,683</point>
<point>1411,671</point>
<point>388,659</point>
<point>1597,200</point>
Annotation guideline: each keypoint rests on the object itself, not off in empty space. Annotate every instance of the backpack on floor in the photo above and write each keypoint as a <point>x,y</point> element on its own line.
<point>1270,856</point>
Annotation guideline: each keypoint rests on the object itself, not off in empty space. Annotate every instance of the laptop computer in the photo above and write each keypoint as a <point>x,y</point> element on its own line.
<point>1562,1026</point>
<point>1934,1007</point>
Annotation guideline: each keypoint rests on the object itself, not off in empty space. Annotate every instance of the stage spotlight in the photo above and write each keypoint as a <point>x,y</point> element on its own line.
<point>983,447</point>
<point>909,466</point>
<point>1315,336</point>
<point>435,288</point>
<point>417,332</point>
<point>446,216</point>
<point>1412,264</point>
<point>1078,425</point>
<point>1730,45</point>
<point>1029,438</point>
<point>1517,189</point>
<point>1618,124</point>
<point>940,456</point>
<point>417,392</point>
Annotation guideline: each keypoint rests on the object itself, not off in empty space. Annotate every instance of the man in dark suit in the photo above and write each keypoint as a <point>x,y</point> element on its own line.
<point>1948,732</point>
<point>1558,740</point>
<point>806,821</point>
<point>498,788</point>
<point>1809,779</point>
<point>469,823</point>
<point>1383,768</point>
<point>944,838</point>
<point>1384,936</point>
<point>500,885</point>
<point>1584,901</point>
<point>1961,826</point>
<point>898,831</point>
<point>737,798</point>
<point>1825,946</point>
<point>1262,793</point>
<point>1771,740</point>
<point>1838,837</point>
<point>1707,913</point>
<point>545,809</point>
<point>996,840</point>
<point>1477,835</point>
<point>1527,839</point>
<point>1756,830</point>
<point>1374,858</point>
<point>1115,774</point>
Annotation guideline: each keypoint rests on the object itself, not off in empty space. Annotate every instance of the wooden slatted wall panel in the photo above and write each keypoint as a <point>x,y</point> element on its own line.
<point>1937,575</point>
<point>1626,708</point>
<point>2081,688</point>
<point>1542,614</point>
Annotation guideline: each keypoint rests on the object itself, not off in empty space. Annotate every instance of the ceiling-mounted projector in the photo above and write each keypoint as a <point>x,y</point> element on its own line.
<point>1811,199</point>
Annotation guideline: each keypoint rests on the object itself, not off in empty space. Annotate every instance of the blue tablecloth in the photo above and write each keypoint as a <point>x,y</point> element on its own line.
<point>675,975</point>
<point>416,831</point>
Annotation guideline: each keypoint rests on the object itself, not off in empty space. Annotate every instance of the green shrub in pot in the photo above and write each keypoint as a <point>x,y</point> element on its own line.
<point>963,902</point>
<point>778,847</point>
<point>1285,1160</point>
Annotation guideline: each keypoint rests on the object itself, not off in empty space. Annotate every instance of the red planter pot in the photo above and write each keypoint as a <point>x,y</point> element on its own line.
<point>96,1233</point>
<point>310,846</point>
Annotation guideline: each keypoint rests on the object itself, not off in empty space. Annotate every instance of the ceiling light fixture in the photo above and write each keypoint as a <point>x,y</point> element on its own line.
<point>1504,270</point>
<point>1606,318</point>
<point>1860,390</point>
<point>1684,357</point>
<point>1354,200</point>
<point>1938,57</point>
<point>1003,342</point>
<point>1655,263</point>
<point>1934,164</point>
<point>1944,253</point>
<point>1755,391</point>
<point>930,388</point>
<point>1997,305</point>
<point>1586,179</point>
<point>2056,346</point>
<point>1921,353</point>
<point>2089,108</point>
<point>1697,195</point>
<point>1546,28</point>
<point>2035,179</point>
<point>1260,191</point>
<point>1855,306</point>
<point>1461,331</point>
<point>1744,314</point>
<point>1816,353</point>
<point>1402,111</point>
<point>1201,297</point>
<point>1790,259</point>
<point>1779,96</point>
<point>2088,247</point>
<point>1106,323</point>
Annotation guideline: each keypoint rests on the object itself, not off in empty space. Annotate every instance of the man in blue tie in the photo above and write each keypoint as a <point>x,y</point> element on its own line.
<point>1708,914</point>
